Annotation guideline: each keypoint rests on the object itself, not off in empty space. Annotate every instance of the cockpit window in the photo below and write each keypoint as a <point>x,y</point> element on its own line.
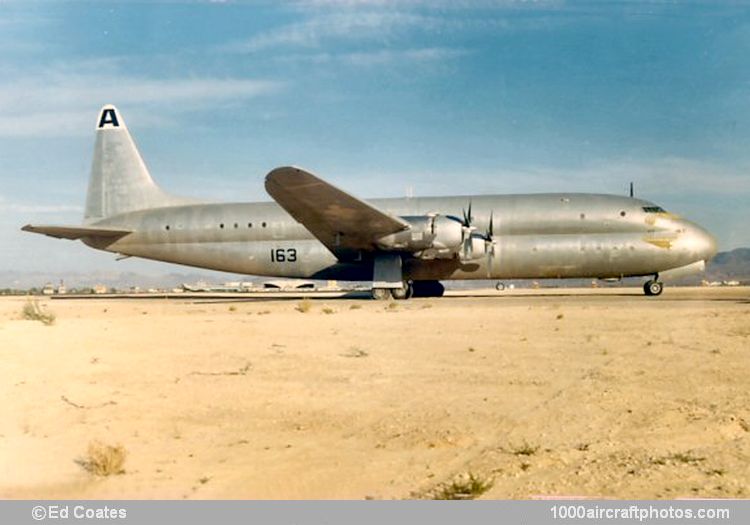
<point>654,209</point>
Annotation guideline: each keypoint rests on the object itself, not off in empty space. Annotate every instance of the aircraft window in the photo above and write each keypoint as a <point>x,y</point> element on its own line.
<point>654,209</point>
<point>583,216</point>
<point>221,225</point>
<point>166,227</point>
<point>263,224</point>
<point>249,224</point>
<point>236,225</point>
<point>622,213</point>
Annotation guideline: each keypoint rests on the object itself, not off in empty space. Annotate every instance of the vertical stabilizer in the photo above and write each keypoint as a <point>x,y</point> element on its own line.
<point>120,181</point>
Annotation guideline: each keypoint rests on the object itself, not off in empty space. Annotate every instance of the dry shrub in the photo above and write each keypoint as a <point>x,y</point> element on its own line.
<point>524,449</point>
<point>467,486</point>
<point>33,311</point>
<point>104,460</point>
<point>304,305</point>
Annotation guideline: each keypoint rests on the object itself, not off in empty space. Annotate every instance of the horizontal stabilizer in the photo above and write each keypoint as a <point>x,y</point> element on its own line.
<point>342,222</point>
<point>76,232</point>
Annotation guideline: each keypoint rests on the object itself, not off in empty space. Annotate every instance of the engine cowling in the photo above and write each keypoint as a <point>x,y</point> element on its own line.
<point>428,236</point>
<point>474,248</point>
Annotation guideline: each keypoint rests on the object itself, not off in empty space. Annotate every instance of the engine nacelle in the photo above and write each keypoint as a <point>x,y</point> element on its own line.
<point>428,236</point>
<point>474,248</point>
<point>449,233</point>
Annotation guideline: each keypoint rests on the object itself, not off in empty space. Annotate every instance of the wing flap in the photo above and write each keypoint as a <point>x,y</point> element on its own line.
<point>339,220</point>
<point>76,232</point>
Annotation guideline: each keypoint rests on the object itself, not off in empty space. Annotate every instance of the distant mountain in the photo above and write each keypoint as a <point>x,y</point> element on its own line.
<point>733,265</point>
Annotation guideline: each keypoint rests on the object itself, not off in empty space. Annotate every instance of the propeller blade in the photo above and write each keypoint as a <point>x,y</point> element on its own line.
<point>467,216</point>
<point>490,245</point>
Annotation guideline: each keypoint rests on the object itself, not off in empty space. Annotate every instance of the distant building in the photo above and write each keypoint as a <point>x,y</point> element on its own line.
<point>48,289</point>
<point>99,289</point>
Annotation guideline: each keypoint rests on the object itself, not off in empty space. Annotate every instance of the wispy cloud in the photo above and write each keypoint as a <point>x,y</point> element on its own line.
<point>428,4</point>
<point>658,177</point>
<point>378,57</point>
<point>347,25</point>
<point>38,208</point>
<point>58,103</point>
<point>661,176</point>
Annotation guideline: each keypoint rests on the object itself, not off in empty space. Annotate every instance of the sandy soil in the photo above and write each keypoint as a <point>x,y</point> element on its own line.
<point>597,394</point>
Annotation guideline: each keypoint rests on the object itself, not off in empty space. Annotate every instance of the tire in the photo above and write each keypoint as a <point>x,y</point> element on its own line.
<point>653,288</point>
<point>500,287</point>
<point>381,294</point>
<point>404,293</point>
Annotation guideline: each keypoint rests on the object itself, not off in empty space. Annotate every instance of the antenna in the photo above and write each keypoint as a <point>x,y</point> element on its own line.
<point>410,192</point>
<point>631,190</point>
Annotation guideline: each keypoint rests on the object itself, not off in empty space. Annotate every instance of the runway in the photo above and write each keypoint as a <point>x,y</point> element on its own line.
<point>538,392</point>
<point>673,294</point>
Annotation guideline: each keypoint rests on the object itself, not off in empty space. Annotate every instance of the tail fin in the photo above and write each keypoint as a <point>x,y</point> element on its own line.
<point>120,181</point>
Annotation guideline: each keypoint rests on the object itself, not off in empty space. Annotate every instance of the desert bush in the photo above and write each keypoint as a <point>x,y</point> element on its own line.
<point>104,460</point>
<point>33,311</point>
<point>304,305</point>
<point>468,486</point>
<point>524,449</point>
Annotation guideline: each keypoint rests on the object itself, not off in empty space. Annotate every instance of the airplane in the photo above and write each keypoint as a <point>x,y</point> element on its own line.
<point>404,246</point>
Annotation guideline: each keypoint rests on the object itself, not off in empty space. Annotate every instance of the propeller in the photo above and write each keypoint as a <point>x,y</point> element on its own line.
<point>489,245</point>
<point>472,240</point>
<point>468,234</point>
<point>467,217</point>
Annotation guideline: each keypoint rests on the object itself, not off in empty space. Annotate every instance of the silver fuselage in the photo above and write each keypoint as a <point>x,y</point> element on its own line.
<point>537,236</point>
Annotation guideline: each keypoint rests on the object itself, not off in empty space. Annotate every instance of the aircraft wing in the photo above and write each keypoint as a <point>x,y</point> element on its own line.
<point>76,232</point>
<point>339,220</point>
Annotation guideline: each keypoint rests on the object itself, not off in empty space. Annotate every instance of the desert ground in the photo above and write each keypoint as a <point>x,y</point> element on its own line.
<point>567,394</point>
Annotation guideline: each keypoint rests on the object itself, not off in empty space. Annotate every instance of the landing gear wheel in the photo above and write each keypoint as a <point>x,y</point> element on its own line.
<point>381,294</point>
<point>403,293</point>
<point>653,288</point>
<point>500,287</point>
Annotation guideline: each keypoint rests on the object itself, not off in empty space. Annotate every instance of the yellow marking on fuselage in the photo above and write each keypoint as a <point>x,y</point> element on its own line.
<point>660,242</point>
<point>651,217</point>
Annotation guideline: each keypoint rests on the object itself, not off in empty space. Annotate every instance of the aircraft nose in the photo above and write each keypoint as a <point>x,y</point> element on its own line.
<point>701,243</point>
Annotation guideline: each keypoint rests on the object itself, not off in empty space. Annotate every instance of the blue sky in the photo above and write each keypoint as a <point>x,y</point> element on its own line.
<point>376,96</point>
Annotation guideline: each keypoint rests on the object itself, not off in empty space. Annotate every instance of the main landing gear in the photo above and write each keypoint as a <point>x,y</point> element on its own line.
<point>388,281</point>
<point>409,290</point>
<point>653,286</point>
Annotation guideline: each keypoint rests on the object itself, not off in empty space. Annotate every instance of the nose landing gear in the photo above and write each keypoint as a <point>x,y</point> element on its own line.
<point>653,287</point>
